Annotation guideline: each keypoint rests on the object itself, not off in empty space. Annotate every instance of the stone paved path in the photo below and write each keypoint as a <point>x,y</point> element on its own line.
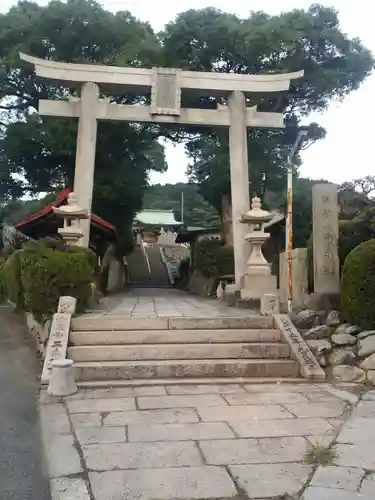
<point>164,303</point>
<point>209,441</point>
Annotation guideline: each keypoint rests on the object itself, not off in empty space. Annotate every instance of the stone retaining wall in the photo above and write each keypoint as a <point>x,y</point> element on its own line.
<point>345,351</point>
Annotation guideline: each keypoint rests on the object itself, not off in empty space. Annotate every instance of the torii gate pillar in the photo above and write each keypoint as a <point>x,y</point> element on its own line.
<point>239,180</point>
<point>85,153</point>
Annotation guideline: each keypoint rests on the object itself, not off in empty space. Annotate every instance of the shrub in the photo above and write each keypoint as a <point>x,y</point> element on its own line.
<point>12,278</point>
<point>3,286</point>
<point>41,272</point>
<point>213,259</point>
<point>48,273</point>
<point>358,285</point>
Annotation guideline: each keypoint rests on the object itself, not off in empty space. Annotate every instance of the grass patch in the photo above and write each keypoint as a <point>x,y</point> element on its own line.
<point>318,454</point>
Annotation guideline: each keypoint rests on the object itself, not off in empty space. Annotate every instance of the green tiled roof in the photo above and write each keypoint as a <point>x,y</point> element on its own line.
<point>157,218</point>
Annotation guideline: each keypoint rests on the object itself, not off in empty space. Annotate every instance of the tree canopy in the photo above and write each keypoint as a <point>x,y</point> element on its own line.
<point>37,155</point>
<point>211,40</point>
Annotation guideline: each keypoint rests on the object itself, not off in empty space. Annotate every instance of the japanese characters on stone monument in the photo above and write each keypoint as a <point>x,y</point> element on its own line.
<point>325,238</point>
<point>166,86</point>
<point>165,92</point>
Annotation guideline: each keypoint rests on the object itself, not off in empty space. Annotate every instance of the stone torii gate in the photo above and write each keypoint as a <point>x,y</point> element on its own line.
<point>166,86</point>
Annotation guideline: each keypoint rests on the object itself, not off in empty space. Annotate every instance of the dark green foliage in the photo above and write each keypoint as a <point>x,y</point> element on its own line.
<point>3,285</point>
<point>39,273</point>
<point>355,231</point>
<point>311,39</point>
<point>37,154</point>
<point>358,286</point>
<point>213,259</point>
<point>12,273</point>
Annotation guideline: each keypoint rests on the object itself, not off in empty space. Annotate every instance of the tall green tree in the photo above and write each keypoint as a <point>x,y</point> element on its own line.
<point>211,40</point>
<point>38,154</point>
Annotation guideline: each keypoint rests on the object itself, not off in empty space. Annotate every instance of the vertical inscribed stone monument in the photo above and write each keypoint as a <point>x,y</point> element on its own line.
<point>325,238</point>
<point>166,85</point>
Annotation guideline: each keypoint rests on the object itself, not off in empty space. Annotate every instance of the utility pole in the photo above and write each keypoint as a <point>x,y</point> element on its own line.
<point>182,206</point>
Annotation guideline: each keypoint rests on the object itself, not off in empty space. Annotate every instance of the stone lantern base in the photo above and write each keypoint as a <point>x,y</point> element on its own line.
<point>255,286</point>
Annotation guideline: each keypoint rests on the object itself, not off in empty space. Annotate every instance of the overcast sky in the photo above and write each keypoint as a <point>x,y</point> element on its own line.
<point>347,151</point>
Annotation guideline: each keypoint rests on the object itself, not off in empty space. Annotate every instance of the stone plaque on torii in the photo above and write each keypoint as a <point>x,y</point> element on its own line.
<point>166,85</point>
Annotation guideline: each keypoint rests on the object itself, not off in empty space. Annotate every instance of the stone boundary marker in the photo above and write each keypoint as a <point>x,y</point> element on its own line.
<point>59,335</point>
<point>309,366</point>
<point>325,238</point>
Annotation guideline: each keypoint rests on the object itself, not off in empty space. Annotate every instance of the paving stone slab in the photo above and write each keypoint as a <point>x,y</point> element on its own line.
<point>101,457</point>
<point>180,432</point>
<point>163,484</point>
<point>357,430</point>
<point>265,399</point>
<point>54,419</point>
<point>253,451</point>
<point>232,413</point>
<point>65,488</point>
<point>368,485</point>
<point>93,435</point>
<point>62,456</point>
<point>324,410</point>
<point>101,405</point>
<point>343,478</point>
<point>270,480</point>
<point>324,441</point>
<point>281,428</point>
<point>151,417</point>
<point>189,401</point>
<point>315,493</point>
<point>350,455</point>
<point>205,389</point>
<point>347,396</point>
<point>122,392</point>
<point>365,409</point>
<point>86,420</point>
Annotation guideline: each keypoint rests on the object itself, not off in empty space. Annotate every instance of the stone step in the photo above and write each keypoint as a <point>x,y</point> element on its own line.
<point>114,370</point>
<point>172,337</point>
<point>178,351</point>
<point>93,322</point>
<point>191,382</point>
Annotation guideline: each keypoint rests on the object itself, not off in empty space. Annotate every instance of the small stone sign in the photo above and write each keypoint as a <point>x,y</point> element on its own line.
<point>57,343</point>
<point>309,366</point>
<point>325,239</point>
<point>67,305</point>
<point>269,304</point>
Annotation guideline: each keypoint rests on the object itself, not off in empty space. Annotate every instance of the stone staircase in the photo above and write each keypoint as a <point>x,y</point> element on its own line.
<point>114,350</point>
<point>139,273</point>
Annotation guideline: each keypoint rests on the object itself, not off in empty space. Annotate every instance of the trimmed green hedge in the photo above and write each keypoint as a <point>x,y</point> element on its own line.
<point>39,273</point>
<point>3,285</point>
<point>213,259</point>
<point>358,286</point>
<point>12,274</point>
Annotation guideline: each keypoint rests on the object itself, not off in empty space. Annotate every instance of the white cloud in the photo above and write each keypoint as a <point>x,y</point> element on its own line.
<point>346,152</point>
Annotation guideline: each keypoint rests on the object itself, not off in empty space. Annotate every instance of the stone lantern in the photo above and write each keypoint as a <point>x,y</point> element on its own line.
<point>72,213</point>
<point>258,279</point>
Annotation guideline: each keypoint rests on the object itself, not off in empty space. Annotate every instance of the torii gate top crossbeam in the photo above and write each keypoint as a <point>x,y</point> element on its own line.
<point>143,79</point>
